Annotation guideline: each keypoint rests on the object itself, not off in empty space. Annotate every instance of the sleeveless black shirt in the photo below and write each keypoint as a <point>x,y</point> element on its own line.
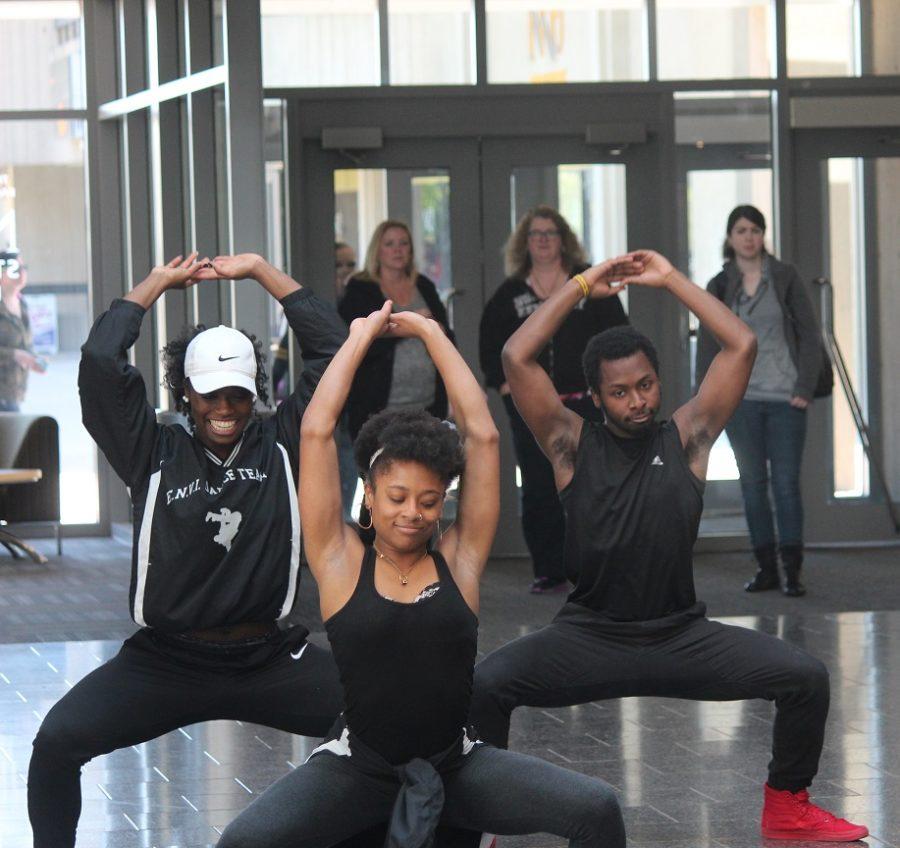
<point>632,514</point>
<point>406,668</point>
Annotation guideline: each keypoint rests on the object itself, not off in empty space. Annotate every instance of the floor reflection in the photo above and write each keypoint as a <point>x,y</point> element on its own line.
<point>687,774</point>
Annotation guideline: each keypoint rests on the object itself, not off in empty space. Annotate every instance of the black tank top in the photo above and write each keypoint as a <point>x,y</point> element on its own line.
<point>406,669</point>
<point>632,514</point>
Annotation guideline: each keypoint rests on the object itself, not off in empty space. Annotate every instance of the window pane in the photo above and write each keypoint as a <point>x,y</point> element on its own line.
<point>207,34</point>
<point>365,197</point>
<point>718,136</point>
<point>43,214</point>
<point>821,38</point>
<point>847,265</point>
<point>714,39</point>
<point>579,41</point>
<point>274,112</point>
<point>320,43</point>
<point>41,55</point>
<point>885,28</point>
<point>433,43</point>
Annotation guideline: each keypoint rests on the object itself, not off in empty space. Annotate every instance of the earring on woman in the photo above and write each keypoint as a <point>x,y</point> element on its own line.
<point>369,525</point>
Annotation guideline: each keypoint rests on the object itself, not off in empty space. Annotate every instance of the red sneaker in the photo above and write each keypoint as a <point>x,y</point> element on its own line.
<point>791,815</point>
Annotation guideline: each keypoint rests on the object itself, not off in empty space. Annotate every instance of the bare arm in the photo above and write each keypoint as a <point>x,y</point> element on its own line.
<point>704,416</point>
<point>332,549</point>
<point>555,427</point>
<point>467,544</point>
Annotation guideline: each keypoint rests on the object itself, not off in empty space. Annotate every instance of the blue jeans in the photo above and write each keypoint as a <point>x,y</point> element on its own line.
<point>767,438</point>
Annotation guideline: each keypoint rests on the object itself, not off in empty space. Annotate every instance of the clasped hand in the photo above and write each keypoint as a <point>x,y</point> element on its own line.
<point>182,273</point>
<point>384,323</point>
<point>640,267</point>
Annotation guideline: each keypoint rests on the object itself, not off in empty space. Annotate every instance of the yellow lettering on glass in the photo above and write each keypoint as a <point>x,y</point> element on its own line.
<point>546,34</point>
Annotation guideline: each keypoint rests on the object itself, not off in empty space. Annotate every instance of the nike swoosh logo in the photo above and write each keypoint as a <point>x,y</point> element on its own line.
<point>300,652</point>
<point>226,358</point>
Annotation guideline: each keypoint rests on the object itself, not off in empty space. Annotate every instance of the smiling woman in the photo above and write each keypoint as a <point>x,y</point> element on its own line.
<point>402,620</point>
<point>216,550</point>
<point>215,375</point>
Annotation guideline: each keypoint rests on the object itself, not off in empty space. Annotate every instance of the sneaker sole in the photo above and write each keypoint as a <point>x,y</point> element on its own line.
<point>816,836</point>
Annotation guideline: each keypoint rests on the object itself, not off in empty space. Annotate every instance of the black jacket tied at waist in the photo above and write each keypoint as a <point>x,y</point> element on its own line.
<point>420,795</point>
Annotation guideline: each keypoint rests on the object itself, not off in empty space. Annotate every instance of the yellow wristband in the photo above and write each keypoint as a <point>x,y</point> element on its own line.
<point>585,288</point>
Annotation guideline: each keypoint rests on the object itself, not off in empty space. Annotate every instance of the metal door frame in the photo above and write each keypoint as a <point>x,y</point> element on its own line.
<point>480,138</point>
<point>829,518</point>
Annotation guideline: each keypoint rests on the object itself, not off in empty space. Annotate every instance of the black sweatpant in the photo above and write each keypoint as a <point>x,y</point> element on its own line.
<point>156,684</point>
<point>330,798</point>
<point>579,658</point>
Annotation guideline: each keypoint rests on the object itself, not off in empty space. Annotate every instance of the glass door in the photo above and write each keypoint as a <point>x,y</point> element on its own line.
<point>461,187</point>
<point>850,180</point>
<point>604,193</point>
<point>724,159</point>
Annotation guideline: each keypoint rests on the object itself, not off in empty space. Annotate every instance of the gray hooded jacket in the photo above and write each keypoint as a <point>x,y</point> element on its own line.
<point>801,327</point>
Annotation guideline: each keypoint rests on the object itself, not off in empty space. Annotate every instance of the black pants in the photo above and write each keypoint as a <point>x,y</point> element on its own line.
<point>329,798</point>
<point>543,521</point>
<point>156,684</point>
<point>575,659</point>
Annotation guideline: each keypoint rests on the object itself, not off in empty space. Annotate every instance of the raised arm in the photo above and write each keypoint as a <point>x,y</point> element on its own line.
<point>467,544</point>
<point>114,405</point>
<point>555,427</point>
<point>317,327</point>
<point>705,415</point>
<point>332,549</point>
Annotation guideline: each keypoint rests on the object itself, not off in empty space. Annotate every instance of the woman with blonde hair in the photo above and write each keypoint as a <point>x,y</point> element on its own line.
<point>541,254</point>
<point>396,373</point>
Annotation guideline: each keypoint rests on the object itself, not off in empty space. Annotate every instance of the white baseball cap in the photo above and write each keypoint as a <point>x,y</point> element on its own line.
<point>219,357</point>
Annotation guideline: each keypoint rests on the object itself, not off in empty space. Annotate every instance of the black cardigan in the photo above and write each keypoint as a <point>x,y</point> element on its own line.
<point>801,328</point>
<point>372,384</point>
<point>509,308</point>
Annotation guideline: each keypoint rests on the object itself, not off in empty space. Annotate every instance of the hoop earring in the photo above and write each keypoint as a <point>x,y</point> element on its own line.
<point>365,526</point>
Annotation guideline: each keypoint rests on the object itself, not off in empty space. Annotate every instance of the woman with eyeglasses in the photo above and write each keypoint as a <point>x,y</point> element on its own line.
<point>540,255</point>
<point>396,373</point>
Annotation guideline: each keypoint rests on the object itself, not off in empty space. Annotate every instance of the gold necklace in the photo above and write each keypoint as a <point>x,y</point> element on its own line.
<point>404,578</point>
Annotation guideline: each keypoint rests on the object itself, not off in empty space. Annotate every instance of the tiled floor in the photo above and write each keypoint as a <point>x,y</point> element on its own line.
<point>687,774</point>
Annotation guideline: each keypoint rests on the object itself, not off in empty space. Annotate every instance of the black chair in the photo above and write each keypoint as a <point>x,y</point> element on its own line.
<point>31,441</point>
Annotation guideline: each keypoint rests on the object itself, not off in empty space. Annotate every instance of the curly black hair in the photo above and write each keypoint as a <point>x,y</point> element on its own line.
<point>173,367</point>
<point>409,435</point>
<point>614,343</point>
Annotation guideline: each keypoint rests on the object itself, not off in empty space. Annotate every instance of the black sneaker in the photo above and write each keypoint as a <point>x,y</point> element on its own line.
<point>549,586</point>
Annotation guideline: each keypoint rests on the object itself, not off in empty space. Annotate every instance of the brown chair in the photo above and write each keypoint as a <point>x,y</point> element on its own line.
<point>31,441</point>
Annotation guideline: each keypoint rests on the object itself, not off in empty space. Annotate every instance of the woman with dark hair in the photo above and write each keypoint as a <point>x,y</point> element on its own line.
<point>215,561</point>
<point>541,254</point>
<point>768,430</point>
<point>397,373</point>
<point>402,619</point>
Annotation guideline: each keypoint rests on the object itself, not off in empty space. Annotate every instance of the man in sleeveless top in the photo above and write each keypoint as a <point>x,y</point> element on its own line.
<point>632,490</point>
